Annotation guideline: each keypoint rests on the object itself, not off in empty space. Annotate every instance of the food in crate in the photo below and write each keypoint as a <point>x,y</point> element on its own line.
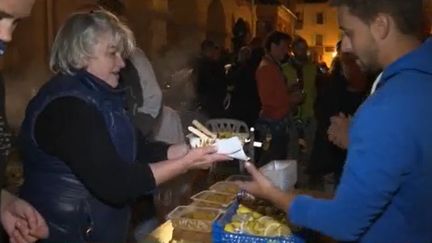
<point>193,218</point>
<point>232,147</point>
<point>225,187</point>
<point>224,199</point>
<point>248,221</point>
<point>264,207</point>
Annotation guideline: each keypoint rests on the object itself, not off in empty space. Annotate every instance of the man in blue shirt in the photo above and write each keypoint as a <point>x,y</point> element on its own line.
<point>385,194</point>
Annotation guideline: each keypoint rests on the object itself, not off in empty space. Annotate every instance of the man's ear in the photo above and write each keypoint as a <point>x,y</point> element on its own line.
<point>381,26</point>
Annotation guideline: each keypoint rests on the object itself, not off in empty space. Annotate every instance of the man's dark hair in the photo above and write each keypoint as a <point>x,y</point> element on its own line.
<point>299,40</point>
<point>406,13</point>
<point>276,37</point>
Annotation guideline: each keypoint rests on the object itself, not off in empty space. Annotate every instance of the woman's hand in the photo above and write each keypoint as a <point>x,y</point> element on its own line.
<point>21,221</point>
<point>177,151</point>
<point>203,158</point>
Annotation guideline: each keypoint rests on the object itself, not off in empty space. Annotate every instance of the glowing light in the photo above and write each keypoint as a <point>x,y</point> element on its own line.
<point>334,54</point>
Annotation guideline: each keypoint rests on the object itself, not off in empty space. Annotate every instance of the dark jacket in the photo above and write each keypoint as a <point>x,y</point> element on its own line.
<point>327,157</point>
<point>211,86</point>
<point>245,102</point>
<point>71,211</point>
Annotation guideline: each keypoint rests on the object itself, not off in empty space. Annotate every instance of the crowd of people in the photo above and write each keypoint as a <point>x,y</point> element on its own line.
<point>87,137</point>
<point>276,87</point>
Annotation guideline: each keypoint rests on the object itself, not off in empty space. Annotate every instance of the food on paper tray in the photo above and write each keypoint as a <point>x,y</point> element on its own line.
<point>193,218</point>
<point>248,221</point>
<point>232,147</point>
<point>204,137</point>
<point>225,134</point>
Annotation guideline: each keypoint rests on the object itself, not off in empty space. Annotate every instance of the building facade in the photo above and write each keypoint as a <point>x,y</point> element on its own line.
<point>317,23</point>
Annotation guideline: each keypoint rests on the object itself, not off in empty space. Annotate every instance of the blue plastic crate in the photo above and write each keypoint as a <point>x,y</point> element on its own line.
<point>219,235</point>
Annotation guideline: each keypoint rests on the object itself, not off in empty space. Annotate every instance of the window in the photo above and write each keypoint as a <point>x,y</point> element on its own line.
<point>320,18</point>
<point>329,49</point>
<point>319,39</point>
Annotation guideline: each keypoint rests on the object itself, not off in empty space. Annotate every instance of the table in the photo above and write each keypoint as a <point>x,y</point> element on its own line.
<point>167,234</point>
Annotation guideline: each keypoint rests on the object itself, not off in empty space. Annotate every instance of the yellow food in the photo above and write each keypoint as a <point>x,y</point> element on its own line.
<point>230,228</point>
<point>243,210</point>
<point>224,134</point>
<point>251,222</point>
<point>257,215</point>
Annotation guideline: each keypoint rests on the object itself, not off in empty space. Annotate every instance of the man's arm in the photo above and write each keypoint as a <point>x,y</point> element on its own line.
<point>379,154</point>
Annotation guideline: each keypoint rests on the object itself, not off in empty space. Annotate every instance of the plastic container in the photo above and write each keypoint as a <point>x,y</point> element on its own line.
<point>225,187</point>
<point>194,218</point>
<point>207,205</point>
<point>219,235</point>
<point>282,173</point>
<point>223,199</point>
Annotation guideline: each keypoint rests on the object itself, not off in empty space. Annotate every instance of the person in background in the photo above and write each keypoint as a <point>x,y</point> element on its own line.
<point>275,99</point>
<point>335,67</point>
<point>348,90</point>
<point>19,219</point>
<point>144,96</point>
<point>245,104</point>
<point>211,85</point>
<point>78,138</point>
<point>385,190</point>
<point>257,52</point>
<point>300,70</point>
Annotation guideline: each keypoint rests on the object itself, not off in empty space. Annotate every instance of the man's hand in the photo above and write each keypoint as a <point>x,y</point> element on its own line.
<point>21,221</point>
<point>261,187</point>
<point>338,130</point>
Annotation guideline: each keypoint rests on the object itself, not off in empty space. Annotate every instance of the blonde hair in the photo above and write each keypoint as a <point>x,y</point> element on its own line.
<point>76,39</point>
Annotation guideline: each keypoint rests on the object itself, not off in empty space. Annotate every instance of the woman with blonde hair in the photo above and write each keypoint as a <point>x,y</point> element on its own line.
<point>84,162</point>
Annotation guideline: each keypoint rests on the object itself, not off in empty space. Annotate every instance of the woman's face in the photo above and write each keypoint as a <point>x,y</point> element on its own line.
<point>106,61</point>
